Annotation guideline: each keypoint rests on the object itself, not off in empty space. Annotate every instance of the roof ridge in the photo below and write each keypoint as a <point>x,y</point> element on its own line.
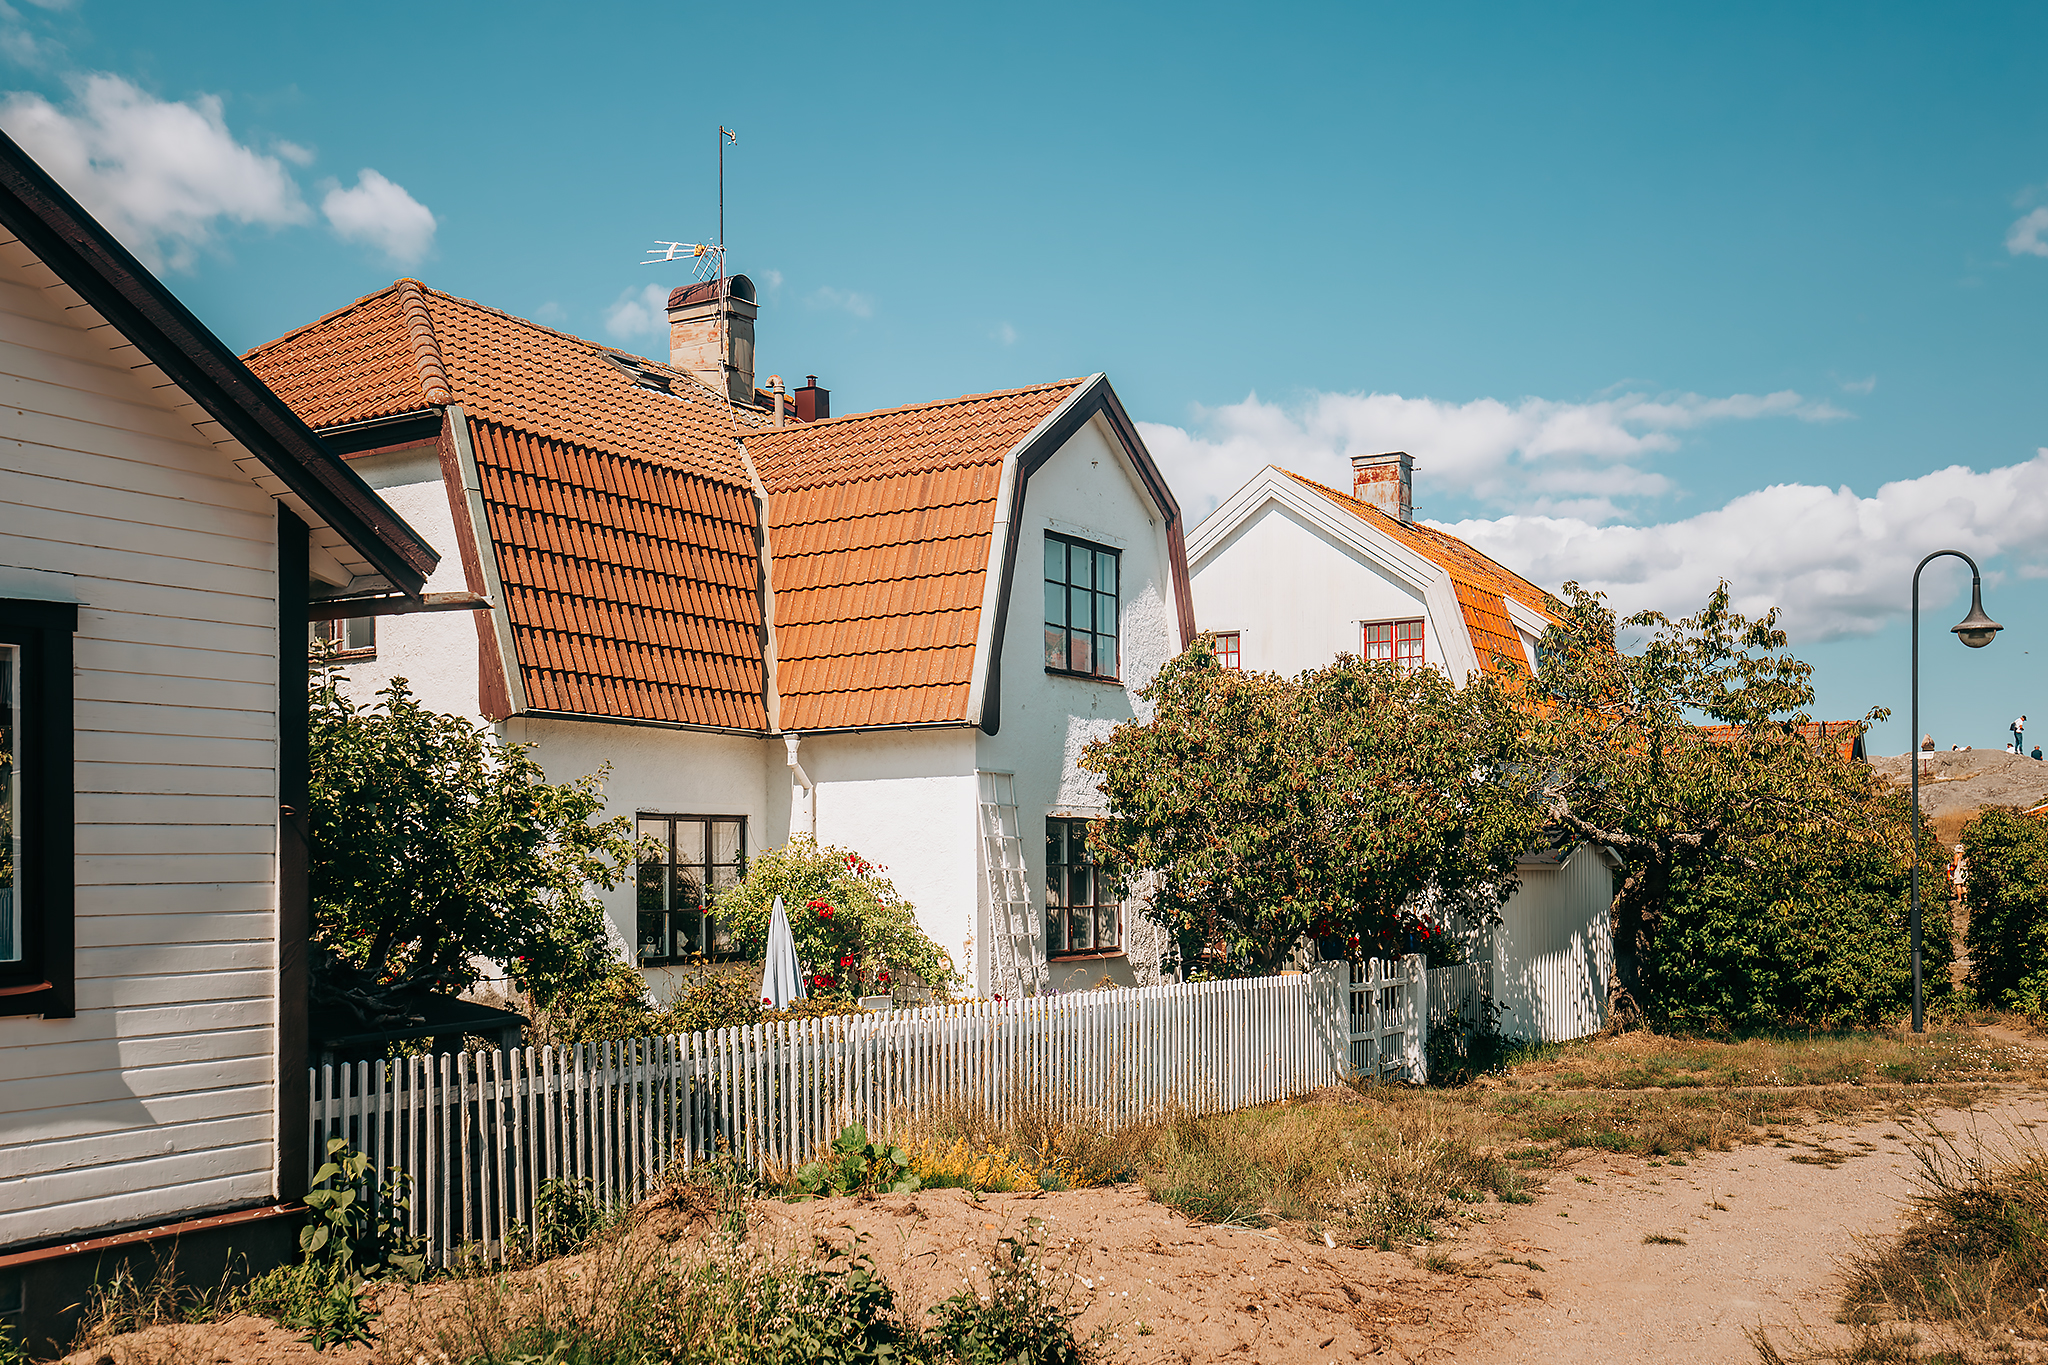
<point>426,350</point>
<point>934,403</point>
<point>322,320</point>
<point>1357,506</point>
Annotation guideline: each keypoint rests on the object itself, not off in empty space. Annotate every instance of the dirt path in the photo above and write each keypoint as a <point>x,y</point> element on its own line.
<point>1763,1232</point>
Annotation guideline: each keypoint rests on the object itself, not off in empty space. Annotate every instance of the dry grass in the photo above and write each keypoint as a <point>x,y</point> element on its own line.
<point>962,1146</point>
<point>1643,1060</point>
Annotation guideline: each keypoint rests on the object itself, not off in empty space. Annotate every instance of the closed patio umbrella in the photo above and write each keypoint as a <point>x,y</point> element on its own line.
<point>782,978</point>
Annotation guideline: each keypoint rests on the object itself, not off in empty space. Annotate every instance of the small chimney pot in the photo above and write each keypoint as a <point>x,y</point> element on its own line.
<point>813,403</point>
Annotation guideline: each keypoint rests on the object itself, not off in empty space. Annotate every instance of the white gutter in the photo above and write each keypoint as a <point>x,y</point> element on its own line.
<point>792,741</point>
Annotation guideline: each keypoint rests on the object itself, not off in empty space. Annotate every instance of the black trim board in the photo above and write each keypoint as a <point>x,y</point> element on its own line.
<point>294,859</point>
<point>1098,398</point>
<point>123,291</point>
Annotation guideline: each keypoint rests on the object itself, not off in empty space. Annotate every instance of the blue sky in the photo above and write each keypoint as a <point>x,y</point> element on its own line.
<point>1643,290</point>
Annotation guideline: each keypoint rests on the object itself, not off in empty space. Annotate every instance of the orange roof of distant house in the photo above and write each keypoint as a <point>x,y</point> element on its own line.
<point>1479,582</point>
<point>623,515</point>
<point>881,525</point>
<point>1843,735</point>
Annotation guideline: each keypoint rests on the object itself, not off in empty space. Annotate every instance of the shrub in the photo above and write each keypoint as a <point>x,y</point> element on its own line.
<point>855,1165</point>
<point>2007,854</point>
<point>854,931</point>
<point>1021,1313</point>
<point>1815,932</point>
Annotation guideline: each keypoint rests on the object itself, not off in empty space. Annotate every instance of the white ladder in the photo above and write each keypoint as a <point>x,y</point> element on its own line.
<point>1017,929</point>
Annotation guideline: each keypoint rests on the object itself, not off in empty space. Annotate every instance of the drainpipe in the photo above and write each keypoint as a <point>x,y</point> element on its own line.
<point>803,779</point>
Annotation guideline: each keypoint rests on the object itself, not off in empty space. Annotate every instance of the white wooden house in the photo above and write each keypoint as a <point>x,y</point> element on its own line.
<point>893,630</point>
<point>164,520</point>
<point>1290,573</point>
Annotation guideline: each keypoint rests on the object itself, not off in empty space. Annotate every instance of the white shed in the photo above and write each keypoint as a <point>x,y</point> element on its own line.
<point>164,520</point>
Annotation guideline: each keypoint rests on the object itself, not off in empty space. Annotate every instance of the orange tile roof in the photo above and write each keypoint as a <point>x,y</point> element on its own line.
<point>1840,735</point>
<point>1480,582</point>
<point>881,525</point>
<point>624,517</point>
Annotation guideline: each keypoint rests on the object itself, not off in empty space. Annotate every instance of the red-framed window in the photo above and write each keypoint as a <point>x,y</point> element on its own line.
<point>1226,649</point>
<point>1399,641</point>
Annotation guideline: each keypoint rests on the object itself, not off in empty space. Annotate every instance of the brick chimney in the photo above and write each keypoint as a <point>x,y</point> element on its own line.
<point>1387,482</point>
<point>711,334</point>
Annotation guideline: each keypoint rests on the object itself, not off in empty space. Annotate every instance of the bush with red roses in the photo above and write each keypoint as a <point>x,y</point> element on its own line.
<point>855,934</point>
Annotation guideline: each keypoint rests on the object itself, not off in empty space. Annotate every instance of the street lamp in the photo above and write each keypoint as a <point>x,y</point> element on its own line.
<point>1975,630</point>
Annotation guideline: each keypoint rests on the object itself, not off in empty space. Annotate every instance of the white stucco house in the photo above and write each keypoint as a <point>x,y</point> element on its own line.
<point>1290,573</point>
<point>893,630</point>
<point>165,524</point>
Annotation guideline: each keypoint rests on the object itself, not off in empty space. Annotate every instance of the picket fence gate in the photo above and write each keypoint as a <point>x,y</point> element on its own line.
<point>476,1136</point>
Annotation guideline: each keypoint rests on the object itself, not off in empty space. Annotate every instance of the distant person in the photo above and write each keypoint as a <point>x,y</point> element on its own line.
<point>2009,749</point>
<point>2036,755</point>
<point>2019,735</point>
<point>1926,751</point>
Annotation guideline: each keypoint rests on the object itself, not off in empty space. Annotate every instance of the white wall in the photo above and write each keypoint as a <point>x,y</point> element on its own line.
<point>1297,596</point>
<point>1554,950</point>
<point>157,1100</point>
<point>435,652</point>
<point>1091,491</point>
<point>906,801</point>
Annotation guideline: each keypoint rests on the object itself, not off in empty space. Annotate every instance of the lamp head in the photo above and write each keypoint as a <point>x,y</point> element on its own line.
<point>1976,630</point>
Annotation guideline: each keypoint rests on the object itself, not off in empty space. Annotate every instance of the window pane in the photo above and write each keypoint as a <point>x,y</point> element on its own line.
<point>652,881</point>
<point>10,803</point>
<point>1080,930</point>
<point>1080,885</point>
<point>1055,560</point>
<point>653,936</point>
<point>725,841</point>
<point>1055,646</point>
<point>687,889</point>
<point>1055,605</point>
<point>1105,613</point>
<point>1106,927</point>
<point>1055,842</point>
<point>689,841</point>
<point>1080,560</point>
<point>720,936</point>
<point>1055,930</point>
<point>361,632</point>
<point>1105,571</point>
<point>1078,655</point>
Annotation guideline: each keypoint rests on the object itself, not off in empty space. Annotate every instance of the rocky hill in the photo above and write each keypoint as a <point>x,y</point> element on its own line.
<point>1958,782</point>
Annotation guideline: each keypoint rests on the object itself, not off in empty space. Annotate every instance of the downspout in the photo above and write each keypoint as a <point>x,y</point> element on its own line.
<point>792,742</point>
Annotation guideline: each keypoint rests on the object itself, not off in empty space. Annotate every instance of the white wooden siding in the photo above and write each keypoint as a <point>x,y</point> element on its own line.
<point>158,1099</point>
<point>1554,949</point>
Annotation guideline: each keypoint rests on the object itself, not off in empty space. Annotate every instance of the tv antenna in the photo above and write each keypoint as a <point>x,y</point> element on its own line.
<point>707,257</point>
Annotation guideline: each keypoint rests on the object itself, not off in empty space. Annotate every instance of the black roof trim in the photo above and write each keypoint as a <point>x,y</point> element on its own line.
<point>107,276</point>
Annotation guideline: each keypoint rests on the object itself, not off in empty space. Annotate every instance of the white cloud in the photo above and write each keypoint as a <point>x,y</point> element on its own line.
<point>161,174</point>
<point>773,279</point>
<point>1837,563</point>
<point>379,213</point>
<point>2029,235</point>
<point>1005,334</point>
<point>639,312</point>
<point>860,305</point>
<point>293,152</point>
<point>1537,454</point>
<point>1865,385</point>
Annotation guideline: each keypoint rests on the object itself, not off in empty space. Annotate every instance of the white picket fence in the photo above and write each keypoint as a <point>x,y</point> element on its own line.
<point>478,1134</point>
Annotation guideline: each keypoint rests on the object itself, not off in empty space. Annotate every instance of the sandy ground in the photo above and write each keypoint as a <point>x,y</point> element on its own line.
<point>1762,1228</point>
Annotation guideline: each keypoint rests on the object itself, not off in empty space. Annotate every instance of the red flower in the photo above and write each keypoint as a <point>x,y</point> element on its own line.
<point>882,977</point>
<point>846,962</point>
<point>824,911</point>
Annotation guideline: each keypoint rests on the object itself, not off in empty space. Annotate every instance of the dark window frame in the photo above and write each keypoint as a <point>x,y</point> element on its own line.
<point>46,900</point>
<point>1069,589</point>
<point>1059,884</point>
<point>669,913</point>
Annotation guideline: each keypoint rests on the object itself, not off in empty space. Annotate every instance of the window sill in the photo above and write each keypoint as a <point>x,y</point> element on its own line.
<point>1104,956</point>
<point>1111,680</point>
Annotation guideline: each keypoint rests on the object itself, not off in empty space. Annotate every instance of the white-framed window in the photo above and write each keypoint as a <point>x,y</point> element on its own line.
<point>1083,912</point>
<point>1396,641</point>
<point>355,637</point>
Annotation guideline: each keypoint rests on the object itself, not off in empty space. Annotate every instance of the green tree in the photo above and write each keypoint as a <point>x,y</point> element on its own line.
<point>1626,760</point>
<point>853,929</point>
<point>435,844</point>
<point>2007,854</point>
<point>1265,808</point>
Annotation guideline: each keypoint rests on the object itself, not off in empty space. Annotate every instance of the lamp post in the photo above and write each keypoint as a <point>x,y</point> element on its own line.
<point>1976,631</point>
